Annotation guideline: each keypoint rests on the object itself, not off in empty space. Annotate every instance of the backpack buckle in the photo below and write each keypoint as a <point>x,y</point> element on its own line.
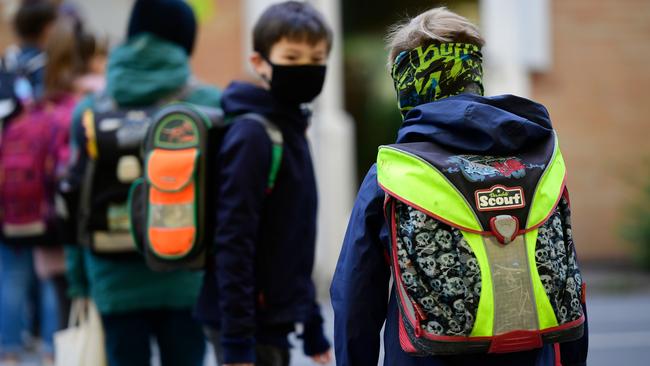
<point>505,228</point>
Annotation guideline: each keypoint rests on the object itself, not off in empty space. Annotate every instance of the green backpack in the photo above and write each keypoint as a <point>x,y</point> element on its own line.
<point>172,208</point>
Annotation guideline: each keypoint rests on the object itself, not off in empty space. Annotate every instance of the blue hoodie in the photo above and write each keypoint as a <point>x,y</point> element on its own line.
<point>260,283</point>
<point>360,289</point>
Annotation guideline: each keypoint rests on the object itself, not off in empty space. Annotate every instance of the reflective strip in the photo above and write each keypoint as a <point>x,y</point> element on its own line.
<point>484,322</point>
<point>514,308</point>
<point>113,242</point>
<point>22,230</point>
<point>414,181</point>
<point>88,122</point>
<point>548,191</point>
<point>545,314</point>
<point>172,216</point>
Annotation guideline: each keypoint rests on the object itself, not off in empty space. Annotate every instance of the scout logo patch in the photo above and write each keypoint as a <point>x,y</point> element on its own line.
<point>500,198</point>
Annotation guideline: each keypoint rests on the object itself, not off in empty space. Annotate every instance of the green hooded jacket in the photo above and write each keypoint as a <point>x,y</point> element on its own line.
<point>140,72</point>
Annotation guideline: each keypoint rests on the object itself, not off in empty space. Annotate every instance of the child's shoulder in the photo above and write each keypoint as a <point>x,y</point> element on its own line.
<point>248,128</point>
<point>204,94</point>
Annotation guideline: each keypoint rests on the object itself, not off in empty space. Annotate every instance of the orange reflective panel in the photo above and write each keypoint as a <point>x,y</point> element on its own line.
<point>171,170</point>
<point>171,241</point>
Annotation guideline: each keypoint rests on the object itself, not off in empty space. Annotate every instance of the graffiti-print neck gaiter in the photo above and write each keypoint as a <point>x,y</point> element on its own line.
<point>428,73</point>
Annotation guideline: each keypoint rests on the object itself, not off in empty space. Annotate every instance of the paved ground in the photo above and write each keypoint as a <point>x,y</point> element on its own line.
<point>619,318</point>
<point>619,321</point>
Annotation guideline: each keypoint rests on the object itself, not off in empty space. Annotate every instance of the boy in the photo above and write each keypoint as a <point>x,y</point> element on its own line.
<point>136,303</point>
<point>32,25</point>
<point>260,285</point>
<point>436,68</point>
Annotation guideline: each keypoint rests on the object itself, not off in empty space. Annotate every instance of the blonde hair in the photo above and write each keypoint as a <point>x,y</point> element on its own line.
<point>437,25</point>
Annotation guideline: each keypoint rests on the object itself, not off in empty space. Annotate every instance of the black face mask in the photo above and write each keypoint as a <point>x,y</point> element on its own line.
<point>297,84</point>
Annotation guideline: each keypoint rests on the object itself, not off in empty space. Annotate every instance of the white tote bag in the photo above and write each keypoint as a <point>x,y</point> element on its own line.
<point>82,343</point>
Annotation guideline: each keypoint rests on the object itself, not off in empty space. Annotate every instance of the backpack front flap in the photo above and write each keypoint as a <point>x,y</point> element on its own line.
<point>465,238</point>
<point>175,234</point>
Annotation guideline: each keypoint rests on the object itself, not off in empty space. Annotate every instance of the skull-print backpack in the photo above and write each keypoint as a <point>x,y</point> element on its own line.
<point>481,249</point>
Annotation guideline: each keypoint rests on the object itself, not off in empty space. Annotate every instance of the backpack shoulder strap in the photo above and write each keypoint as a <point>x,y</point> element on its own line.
<point>35,63</point>
<point>275,135</point>
<point>10,59</point>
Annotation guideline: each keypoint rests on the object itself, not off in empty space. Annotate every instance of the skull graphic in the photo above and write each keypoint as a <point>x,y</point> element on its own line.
<point>547,281</point>
<point>575,305</point>
<point>434,327</point>
<point>459,305</point>
<point>408,244</point>
<point>427,302</point>
<point>447,260</point>
<point>408,278</point>
<point>444,239</point>
<point>455,286</point>
<point>424,240</point>
<point>417,218</point>
<point>477,289</point>
<point>563,313</point>
<point>436,285</point>
<point>557,225</point>
<point>541,255</point>
<point>464,245</point>
<point>454,326</point>
<point>428,265</point>
<point>472,265</point>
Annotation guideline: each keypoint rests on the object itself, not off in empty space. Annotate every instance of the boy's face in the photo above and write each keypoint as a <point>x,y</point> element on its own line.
<point>290,53</point>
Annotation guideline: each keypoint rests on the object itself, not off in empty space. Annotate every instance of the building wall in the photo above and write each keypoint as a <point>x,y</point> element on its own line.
<point>598,95</point>
<point>219,53</point>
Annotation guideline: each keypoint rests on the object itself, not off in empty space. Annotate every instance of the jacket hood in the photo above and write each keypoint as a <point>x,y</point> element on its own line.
<point>241,97</point>
<point>146,69</point>
<point>480,125</point>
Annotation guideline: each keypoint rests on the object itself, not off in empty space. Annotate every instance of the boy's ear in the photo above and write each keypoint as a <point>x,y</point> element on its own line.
<point>256,60</point>
<point>260,66</point>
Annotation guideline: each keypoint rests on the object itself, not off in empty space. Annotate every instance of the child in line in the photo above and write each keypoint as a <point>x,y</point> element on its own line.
<point>436,68</point>
<point>137,304</point>
<point>260,283</point>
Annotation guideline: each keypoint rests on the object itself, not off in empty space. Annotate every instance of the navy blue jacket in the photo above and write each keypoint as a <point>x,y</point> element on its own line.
<point>360,289</point>
<point>265,242</point>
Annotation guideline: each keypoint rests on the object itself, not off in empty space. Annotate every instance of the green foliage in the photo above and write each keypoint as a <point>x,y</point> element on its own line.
<point>369,93</point>
<point>637,228</point>
<point>377,15</point>
<point>370,97</point>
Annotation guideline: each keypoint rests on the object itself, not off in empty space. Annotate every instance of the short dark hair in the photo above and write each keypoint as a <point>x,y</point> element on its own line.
<point>32,18</point>
<point>295,20</point>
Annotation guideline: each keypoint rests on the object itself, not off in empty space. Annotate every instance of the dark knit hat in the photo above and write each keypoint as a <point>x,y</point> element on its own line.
<point>172,20</point>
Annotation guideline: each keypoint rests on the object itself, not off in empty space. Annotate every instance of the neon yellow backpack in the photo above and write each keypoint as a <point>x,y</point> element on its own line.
<point>481,249</point>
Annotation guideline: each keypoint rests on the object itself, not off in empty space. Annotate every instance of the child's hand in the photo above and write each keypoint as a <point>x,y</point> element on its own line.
<point>323,358</point>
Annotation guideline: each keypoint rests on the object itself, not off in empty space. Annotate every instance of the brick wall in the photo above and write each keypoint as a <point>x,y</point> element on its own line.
<point>219,55</point>
<point>598,94</point>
